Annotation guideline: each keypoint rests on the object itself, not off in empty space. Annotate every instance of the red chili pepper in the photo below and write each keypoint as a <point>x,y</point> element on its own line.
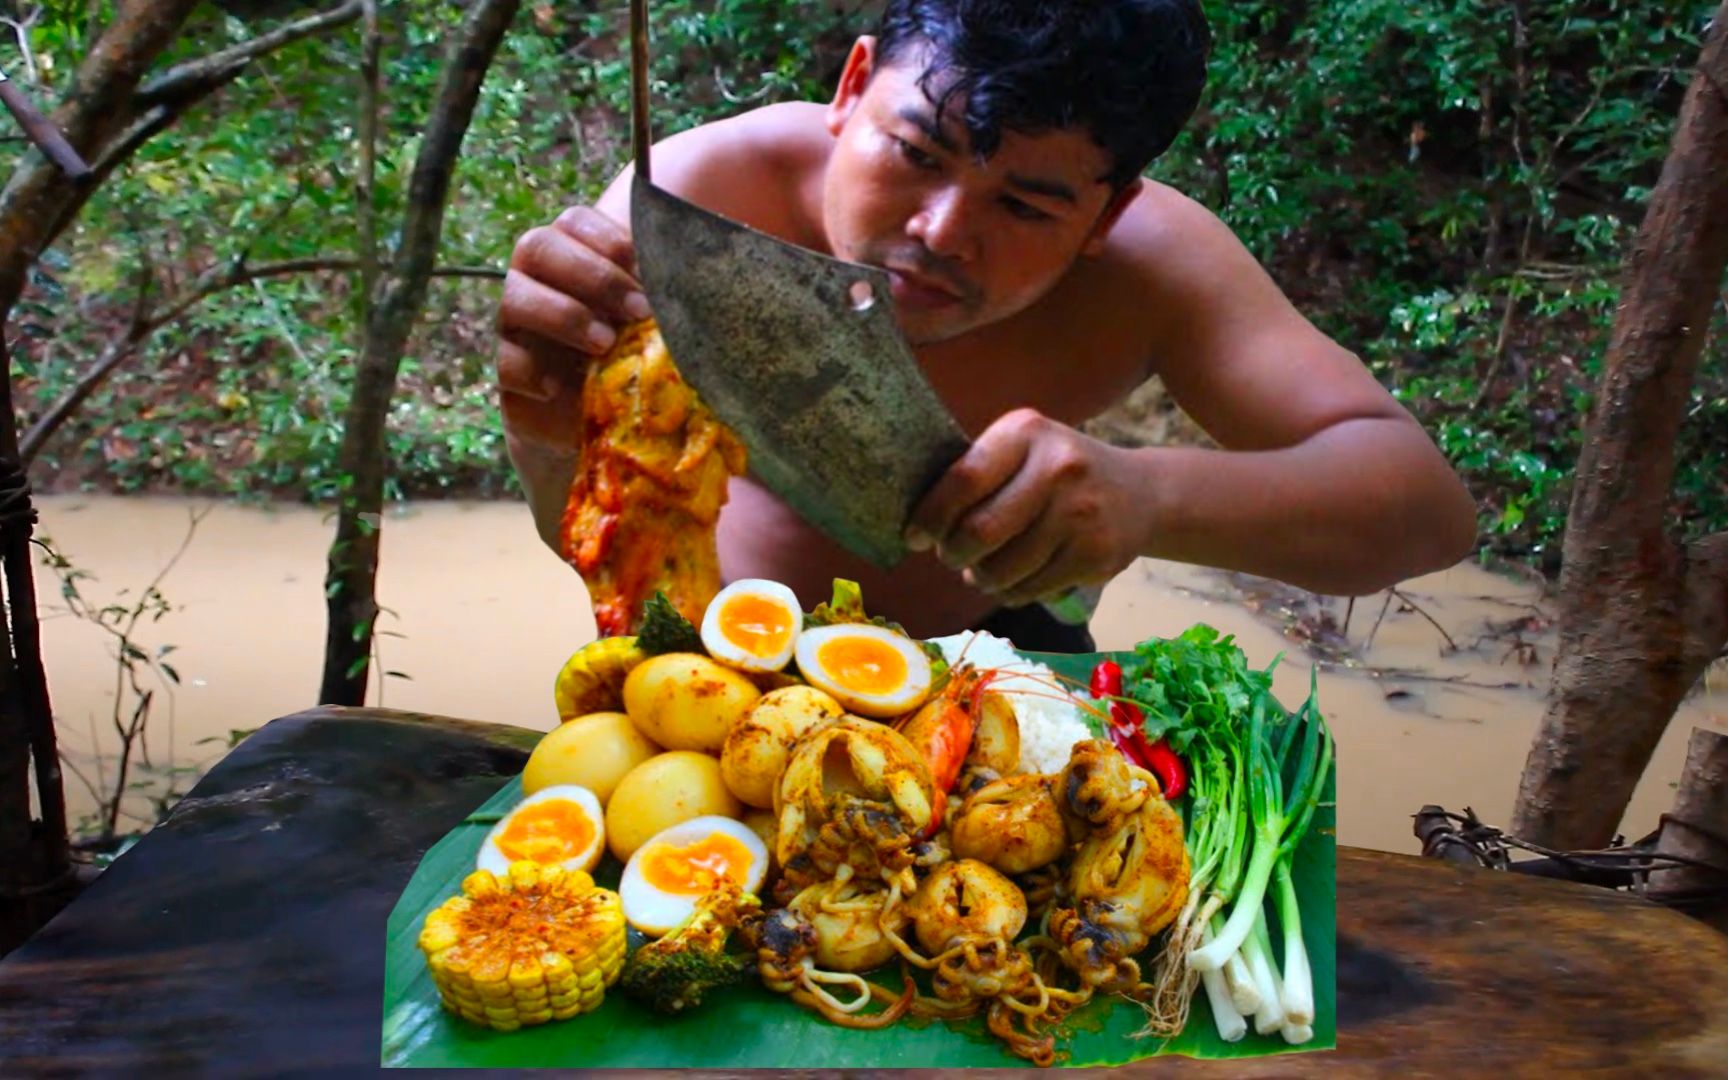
<point>1107,679</point>
<point>1168,768</point>
<point>1127,731</point>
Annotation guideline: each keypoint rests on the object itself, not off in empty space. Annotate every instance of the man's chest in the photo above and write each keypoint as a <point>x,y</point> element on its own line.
<point>1070,377</point>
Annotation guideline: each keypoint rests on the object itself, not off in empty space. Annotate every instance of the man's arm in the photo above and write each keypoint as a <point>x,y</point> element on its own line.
<point>1323,479</point>
<point>545,475</point>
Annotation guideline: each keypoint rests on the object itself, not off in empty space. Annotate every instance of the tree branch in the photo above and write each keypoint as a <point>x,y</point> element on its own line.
<point>144,324</point>
<point>1671,283</point>
<point>352,575</point>
<point>185,83</point>
<point>365,205</point>
<point>158,104</point>
<point>21,30</point>
<point>116,353</point>
<point>490,272</point>
<point>1642,614</point>
<point>37,195</point>
<point>458,92</point>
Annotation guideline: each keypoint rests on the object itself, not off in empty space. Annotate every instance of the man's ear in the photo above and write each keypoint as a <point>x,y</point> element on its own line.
<point>1113,211</point>
<point>860,62</point>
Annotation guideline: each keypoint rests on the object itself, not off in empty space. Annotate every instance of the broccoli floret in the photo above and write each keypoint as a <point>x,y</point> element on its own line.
<point>665,629</point>
<point>675,972</point>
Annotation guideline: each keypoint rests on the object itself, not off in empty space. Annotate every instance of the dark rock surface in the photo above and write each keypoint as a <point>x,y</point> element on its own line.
<point>246,933</point>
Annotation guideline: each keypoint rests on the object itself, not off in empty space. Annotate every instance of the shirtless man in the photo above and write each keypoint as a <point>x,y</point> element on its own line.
<point>989,156</point>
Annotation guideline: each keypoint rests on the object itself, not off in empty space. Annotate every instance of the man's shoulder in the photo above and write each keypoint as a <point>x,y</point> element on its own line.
<point>775,133</point>
<point>1170,255</point>
<point>749,167</point>
<point>1164,273</point>
<point>1165,232</point>
<point>1163,247</point>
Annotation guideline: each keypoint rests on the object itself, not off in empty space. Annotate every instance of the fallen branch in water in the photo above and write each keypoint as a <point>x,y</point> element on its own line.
<point>1404,597</point>
<point>1450,680</point>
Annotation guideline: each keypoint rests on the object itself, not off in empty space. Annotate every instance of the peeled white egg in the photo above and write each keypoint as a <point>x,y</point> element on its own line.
<point>752,625</point>
<point>561,824</point>
<point>870,670</point>
<point>677,867</point>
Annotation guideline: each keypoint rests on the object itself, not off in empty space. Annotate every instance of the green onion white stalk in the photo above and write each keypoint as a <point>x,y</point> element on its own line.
<point>1255,790</point>
<point>1258,949</point>
<point>1229,1021</point>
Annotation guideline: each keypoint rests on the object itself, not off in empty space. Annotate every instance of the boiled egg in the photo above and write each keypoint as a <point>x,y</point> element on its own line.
<point>560,825</point>
<point>752,625</point>
<point>677,867</point>
<point>870,670</point>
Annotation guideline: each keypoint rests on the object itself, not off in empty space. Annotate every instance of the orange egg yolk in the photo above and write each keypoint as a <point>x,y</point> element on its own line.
<point>696,869</point>
<point>863,664</point>
<point>756,624</point>
<point>547,832</point>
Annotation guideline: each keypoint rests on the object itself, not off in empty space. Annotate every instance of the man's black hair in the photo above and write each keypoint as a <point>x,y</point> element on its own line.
<point>1129,72</point>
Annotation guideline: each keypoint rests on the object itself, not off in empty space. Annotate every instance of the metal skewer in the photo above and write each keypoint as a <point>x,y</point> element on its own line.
<point>639,126</point>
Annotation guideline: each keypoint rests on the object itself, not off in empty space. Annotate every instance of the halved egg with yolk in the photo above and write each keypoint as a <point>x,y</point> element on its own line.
<point>870,670</point>
<point>667,876</point>
<point>562,824</point>
<point>752,625</point>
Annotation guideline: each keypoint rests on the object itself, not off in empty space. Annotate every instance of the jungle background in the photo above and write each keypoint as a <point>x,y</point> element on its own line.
<point>1448,187</point>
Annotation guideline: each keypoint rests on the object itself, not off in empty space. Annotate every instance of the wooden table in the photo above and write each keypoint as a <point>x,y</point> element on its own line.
<point>245,936</point>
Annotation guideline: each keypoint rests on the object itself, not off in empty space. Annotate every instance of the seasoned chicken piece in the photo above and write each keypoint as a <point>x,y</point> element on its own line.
<point>645,500</point>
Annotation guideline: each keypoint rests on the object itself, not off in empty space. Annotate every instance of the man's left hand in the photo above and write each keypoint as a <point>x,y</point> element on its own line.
<point>1034,508</point>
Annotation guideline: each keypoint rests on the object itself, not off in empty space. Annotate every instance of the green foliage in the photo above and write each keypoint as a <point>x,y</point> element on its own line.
<point>1447,187</point>
<point>129,774</point>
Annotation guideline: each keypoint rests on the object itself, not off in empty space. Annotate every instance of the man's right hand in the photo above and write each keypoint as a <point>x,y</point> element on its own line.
<point>571,286</point>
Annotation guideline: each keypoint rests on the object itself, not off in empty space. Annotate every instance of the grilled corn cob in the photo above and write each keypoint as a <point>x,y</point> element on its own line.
<point>592,680</point>
<point>538,944</point>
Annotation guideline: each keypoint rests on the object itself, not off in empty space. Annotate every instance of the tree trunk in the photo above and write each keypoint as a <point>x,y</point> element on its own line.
<point>1641,613</point>
<point>351,580</point>
<point>35,868</point>
<point>1698,829</point>
<point>105,116</point>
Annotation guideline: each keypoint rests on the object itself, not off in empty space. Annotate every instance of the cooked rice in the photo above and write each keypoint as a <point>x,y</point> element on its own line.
<point>1049,727</point>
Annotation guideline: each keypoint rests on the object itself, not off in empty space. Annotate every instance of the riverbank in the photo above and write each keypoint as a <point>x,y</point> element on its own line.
<point>486,616</point>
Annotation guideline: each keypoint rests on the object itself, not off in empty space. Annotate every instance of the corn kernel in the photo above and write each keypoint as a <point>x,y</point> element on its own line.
<point>437,937</point>
<point>525,973</point>
<point>524,875</point>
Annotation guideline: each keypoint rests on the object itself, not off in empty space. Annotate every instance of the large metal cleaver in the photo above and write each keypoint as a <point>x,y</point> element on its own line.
<point>797,352</point>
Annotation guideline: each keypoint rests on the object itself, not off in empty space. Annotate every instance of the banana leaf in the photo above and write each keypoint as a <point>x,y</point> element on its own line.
<point>749,1027</point>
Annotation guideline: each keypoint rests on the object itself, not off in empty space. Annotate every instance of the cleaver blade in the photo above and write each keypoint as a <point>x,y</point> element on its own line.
<point>800,355</point>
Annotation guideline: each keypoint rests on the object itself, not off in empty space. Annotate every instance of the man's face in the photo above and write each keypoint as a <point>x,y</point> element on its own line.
<point>966,243</point>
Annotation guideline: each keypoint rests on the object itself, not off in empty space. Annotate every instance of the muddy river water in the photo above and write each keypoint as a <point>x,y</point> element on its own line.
<point>486,616</point>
